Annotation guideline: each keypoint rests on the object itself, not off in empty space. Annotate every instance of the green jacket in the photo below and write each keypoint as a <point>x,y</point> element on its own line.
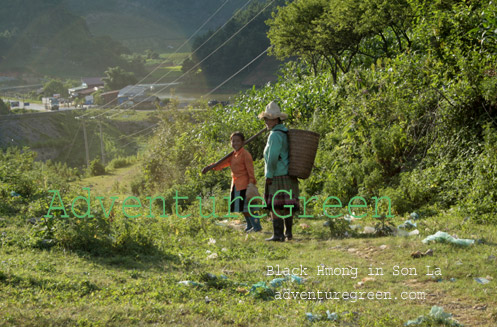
<point>276,152</point>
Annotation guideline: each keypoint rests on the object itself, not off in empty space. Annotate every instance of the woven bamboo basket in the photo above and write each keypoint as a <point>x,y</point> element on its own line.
<point>303,146</point>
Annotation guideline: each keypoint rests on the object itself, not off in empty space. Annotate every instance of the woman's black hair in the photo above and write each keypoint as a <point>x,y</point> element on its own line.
<point>240,134</point>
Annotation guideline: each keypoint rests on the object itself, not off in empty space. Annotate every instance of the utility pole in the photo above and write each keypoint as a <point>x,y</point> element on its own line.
<point>101,143</point>
<point>86,146</point>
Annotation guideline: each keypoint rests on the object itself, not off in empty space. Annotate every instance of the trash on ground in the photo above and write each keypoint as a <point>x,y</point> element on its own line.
<point>408,224</point>
<point>331,316</point>
<point>414,216</point>
<point>297,279</point>
<point>436,313</point>
<point>277,282</point>
<point>443,237</point>
<point>482,280</point>
<point>312,317</point>
<point>369,230</point>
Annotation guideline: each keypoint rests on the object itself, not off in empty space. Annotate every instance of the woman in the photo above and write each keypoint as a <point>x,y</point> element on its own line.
<point>281,204</point>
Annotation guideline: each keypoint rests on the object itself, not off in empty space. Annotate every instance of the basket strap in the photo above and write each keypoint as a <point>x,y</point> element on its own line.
<point>286,133</point>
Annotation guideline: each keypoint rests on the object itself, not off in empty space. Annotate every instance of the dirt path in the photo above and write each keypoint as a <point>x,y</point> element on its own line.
<point>117,182</point>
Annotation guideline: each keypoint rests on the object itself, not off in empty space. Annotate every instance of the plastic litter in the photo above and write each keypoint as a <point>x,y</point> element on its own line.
<point>408,224</point>
<point>414,216</point>
<point>331,316</point>
<point>369,230</point>
<point>277,282</point>
<point>436,313</point>
<point>258,285</point>
<point>443,237</point>
<point>312,317</point>
<point>297,279</point>
<point>260,290</point>
<point>210,276</point>
<point>14,194</point>
<point>482,280</point>
<point>355,227</point>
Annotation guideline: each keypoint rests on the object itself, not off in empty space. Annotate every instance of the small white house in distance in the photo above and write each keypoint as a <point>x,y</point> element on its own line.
<point>130,92</point>
<point>88,86</point>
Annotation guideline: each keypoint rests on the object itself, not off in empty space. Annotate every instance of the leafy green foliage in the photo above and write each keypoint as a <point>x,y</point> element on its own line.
<point>410,127</point>
<point>96,168</point>
<point>341,33</point>
<point>239,49</point>
<point>4,108</point>
<point>116,78</point>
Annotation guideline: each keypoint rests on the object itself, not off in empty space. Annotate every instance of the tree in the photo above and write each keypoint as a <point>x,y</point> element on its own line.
<point>338,31</point>
<point>4,108</point>
<point>232,47</point>
<point>151,54</point>
<point>54,86</point>
<point>116,78</point>
<point>188,68</point>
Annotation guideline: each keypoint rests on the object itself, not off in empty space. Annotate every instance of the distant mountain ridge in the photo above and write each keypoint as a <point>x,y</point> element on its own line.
<point>152,24</point>
<point>71,38</point>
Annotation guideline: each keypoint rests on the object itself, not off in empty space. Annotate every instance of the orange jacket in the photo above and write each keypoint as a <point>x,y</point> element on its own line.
<point>242,168</point>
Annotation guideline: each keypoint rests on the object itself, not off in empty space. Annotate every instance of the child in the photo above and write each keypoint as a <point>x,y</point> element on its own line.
<point>242,172</point>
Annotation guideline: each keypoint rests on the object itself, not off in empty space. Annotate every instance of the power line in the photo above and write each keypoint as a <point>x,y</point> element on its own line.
<point>240,70</point>
<point>213,90</point>
<point>180,47</point>
<point>204,59</point>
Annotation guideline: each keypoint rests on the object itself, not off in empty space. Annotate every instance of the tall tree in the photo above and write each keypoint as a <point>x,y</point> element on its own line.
<point>338,31</point>
<point>117,78</point>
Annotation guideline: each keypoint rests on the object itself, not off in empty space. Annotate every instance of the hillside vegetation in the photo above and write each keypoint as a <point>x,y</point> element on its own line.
<point>414,119</point>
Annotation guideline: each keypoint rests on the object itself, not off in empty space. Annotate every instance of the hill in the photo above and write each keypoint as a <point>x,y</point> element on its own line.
<point>46,38</point>
<point>152,24</point>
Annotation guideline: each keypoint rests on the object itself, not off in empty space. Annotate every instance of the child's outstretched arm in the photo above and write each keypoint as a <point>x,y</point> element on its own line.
<point>223,164</point>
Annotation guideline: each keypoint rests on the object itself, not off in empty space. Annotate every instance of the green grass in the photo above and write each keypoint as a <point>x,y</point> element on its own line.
<point>135,281</point>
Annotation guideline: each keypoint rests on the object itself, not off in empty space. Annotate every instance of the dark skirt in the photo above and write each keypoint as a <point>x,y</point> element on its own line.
<point>240,204</point>
<point>280,183</point>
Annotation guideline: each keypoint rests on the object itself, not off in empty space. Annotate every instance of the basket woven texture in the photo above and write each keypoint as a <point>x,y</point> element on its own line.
<point>303,146</point>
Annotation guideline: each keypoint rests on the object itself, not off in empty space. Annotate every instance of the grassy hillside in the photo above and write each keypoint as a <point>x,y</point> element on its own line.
<point>207,272</point>
<point>59,136</point>
<point>46,38</point>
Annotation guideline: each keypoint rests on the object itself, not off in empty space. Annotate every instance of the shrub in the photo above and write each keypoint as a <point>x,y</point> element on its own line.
<point>96,168</point>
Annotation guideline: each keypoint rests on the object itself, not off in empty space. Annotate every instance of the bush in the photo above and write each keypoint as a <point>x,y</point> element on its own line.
<point>96,168</point>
